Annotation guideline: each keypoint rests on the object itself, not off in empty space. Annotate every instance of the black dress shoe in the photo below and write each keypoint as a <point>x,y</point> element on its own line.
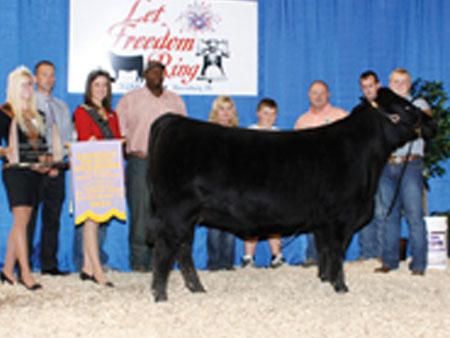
<point>55,272</point>
<point>108,284</point>
<point>383,269</point>
<point>84,276</point>
<point>309,263</point>
<point>34,287</point>
<point>140,268</point>
<point>5,278</point>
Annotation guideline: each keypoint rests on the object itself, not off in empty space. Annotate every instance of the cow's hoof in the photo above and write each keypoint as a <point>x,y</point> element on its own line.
<point>160,296</point>
<point>199,289</point>
<point>340,288</point>
<point>324,278</point>
<point>195,287</point>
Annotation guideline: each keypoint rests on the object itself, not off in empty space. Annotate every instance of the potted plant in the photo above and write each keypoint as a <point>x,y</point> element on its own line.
<point>437,150</point>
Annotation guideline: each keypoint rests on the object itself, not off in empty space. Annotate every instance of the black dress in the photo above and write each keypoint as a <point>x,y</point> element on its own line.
<point>23,185</point>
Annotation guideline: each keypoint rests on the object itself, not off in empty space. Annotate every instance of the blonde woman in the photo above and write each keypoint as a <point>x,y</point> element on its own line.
<point>22,185</point>
<point>221,244</point>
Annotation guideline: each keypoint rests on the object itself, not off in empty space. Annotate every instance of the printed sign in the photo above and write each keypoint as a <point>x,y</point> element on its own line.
<point>437,242</point>
<point>208,47</point>
<point>97,180</point>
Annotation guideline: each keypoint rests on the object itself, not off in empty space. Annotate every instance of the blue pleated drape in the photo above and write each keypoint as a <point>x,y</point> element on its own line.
<point>299,41</point>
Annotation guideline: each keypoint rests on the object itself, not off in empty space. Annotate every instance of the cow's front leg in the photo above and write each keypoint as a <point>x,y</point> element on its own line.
<point>330,244</point>
<point>336,271</point>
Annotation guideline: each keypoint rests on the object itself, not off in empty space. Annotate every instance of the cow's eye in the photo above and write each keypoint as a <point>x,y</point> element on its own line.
<point>407,108</point>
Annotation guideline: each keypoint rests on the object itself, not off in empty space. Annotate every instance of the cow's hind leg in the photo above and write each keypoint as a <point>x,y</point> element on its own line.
<point>163,259</point>
<point>186,264</point>
<point>322,265</point>
<point>322,255</point>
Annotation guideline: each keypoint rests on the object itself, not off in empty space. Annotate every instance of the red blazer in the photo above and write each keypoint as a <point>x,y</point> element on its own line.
<point>86,126</point>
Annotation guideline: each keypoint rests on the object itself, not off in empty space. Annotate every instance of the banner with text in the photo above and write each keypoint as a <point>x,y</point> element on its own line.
<point>97,180</point>
<point>209,47</point>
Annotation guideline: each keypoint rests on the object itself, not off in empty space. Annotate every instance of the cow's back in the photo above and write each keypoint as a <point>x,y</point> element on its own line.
<point>247,176</point>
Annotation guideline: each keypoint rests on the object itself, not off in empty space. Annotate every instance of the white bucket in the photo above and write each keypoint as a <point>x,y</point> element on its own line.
<point>437,242</point>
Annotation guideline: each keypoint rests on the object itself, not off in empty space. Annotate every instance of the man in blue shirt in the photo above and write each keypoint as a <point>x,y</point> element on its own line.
<point>53,194</point>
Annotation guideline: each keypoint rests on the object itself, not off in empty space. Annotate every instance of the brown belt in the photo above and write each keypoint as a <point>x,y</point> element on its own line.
<point>396,160</point>
<point>137,154</point>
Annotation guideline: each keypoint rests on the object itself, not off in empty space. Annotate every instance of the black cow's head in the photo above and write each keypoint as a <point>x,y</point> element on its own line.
<point>405,114</point>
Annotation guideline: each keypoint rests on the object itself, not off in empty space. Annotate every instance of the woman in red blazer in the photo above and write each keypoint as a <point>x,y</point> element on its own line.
<point>96,110</point>
<point>95,120</point>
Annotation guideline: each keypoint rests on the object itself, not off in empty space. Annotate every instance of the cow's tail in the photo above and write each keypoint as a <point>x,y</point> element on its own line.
<point>154,221</point>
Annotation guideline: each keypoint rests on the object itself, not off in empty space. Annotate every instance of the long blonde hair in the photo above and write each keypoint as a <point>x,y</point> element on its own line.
<point>13,96</point>
<point>218,102</point>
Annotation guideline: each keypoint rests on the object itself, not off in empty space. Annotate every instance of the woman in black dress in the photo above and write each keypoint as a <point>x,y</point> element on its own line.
<point>21,128</point>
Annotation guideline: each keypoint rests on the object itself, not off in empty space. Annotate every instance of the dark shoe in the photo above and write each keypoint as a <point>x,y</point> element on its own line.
<point>140,268</point>
<point>276,261</point>
<point>34,287</point>
<point>54,272</point>
<point>309,263</point>
<point>84,276</point>
<point>5,278</point>
<point>108,284</point>
<point>213,269</point>
<point>247,261</point>
<point>383,269</point>
<point>418,273</point>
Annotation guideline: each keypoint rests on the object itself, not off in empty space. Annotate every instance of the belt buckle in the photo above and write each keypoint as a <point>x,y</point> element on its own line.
<point>395,160</point>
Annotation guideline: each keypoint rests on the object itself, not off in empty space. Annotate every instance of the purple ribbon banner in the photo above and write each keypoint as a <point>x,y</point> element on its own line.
<point>97,180</point>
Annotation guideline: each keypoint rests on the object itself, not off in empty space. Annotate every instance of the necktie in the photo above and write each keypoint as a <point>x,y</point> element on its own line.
<point>56,140</point>
<point>51,112</point>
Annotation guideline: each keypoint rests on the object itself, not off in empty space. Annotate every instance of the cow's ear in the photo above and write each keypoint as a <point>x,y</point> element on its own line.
<point>395,118</point>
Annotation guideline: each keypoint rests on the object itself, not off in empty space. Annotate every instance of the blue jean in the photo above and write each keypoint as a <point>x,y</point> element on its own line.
<point>371,236</point>
<point>221,249</point>
<point>409,201</point>
<point>138,199</point>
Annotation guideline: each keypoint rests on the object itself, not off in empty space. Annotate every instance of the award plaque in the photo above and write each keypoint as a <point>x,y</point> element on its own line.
<point>34,153</point>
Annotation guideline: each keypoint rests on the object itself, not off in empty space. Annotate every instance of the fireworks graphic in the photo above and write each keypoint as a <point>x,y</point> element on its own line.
<point>199,18</point>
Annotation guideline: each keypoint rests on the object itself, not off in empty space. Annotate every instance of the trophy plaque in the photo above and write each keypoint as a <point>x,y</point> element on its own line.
<point>34,153</point>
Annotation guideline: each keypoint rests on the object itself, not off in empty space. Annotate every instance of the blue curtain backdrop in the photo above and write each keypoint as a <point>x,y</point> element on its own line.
<point>299,41</point>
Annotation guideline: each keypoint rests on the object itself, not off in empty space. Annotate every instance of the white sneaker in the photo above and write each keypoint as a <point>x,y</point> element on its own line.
<point>247,261</point>
<point>277,261</point>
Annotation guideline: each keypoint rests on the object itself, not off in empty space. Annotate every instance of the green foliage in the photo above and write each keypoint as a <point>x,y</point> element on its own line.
<point>437,149</point>
<point>442,213</point>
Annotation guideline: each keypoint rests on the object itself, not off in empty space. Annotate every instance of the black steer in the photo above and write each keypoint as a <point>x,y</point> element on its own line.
<point>256,183</point>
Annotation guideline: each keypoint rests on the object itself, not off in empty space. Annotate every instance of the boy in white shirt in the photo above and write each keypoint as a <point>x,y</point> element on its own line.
<point>267,112</point>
